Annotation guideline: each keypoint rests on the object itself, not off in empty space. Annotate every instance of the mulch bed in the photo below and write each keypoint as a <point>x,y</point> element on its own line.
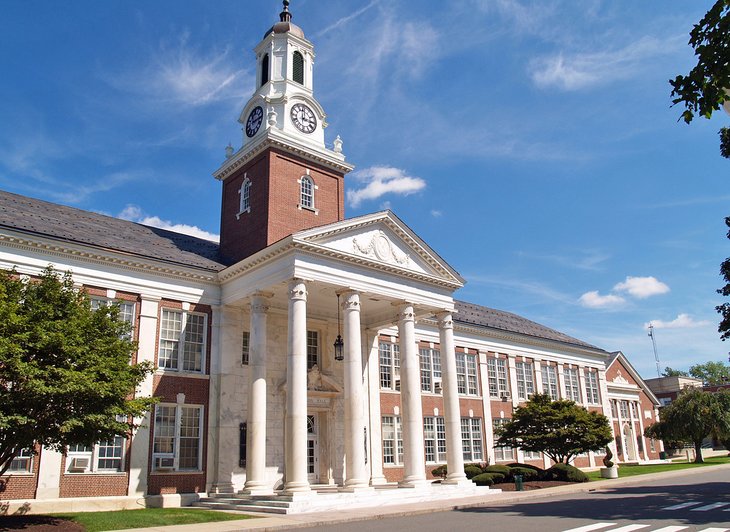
<point>38,523</point>
<point>532,485</point>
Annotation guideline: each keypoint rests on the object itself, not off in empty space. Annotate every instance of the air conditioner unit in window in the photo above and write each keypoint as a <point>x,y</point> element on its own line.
<point>164,463</point>
<point>397,384</point>
<point>506,396</point>
<point>79,464</point>
<point>437,386</point>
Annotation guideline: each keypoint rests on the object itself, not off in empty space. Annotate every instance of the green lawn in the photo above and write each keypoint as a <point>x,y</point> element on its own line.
<point>146,517</point>
<point>632,470</point>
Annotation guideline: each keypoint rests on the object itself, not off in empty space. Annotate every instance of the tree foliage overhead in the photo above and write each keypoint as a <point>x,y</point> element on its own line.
<point>65,372</point>
<point>560,429</point>
<point>724,309</point>
<point>711,373</point>
<point>691,417</point>
<point>702,91</point>
<point>671,372</point>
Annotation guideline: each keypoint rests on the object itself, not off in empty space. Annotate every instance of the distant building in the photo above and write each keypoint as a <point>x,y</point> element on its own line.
<point>666,389</point>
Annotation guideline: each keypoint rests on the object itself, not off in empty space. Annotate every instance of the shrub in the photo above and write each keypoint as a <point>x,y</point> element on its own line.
<point>488,479</point>
<point>472,471</point>
<point>439,472</point>
<point>501,469</point>
<point>539,472</point>
<point>526,472</point>
<point>566,473</point>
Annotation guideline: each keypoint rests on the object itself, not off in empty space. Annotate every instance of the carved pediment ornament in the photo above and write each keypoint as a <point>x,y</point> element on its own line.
<point>380,247</point>
<point>620,378</point>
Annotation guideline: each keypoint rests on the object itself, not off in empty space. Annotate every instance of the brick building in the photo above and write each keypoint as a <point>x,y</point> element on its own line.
<point>304,349</point>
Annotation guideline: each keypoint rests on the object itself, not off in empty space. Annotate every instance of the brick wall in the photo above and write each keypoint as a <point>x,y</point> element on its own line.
<point>21,486</point>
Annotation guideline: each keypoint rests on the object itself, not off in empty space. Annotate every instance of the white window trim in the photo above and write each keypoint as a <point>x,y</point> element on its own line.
<point>300,205</point>
<point>502,390</point>
<point>525,373</point>
<point>175,455</point>
<point>181,342</point>
<point>28,470</point>
<point>241,209</point>
<point>93,457</point>
<point>397,437</point>
<point>394,375</point>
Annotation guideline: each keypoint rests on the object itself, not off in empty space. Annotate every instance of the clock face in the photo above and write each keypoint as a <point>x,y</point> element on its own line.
<point>254,121</point>
<point>303,118</point>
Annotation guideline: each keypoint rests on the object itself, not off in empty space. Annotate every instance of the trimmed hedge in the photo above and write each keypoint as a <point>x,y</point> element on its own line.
<point>472,471</point>
<point>540,470</point>
<point>566,473</point>
<point>526,472</point>
<point>488,479</point>
<point>439,472</point>
<point>503,470</point>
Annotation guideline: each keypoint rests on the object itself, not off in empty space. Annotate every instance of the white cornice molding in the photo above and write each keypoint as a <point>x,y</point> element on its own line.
<point>287,144</point>
<point>94,255</point>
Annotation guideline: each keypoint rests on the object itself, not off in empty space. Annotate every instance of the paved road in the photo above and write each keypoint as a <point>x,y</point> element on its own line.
<point>698,501</point>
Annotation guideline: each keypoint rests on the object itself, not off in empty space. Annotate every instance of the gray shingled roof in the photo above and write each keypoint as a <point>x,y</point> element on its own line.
<point>69,224</point>
<point>471,314</point>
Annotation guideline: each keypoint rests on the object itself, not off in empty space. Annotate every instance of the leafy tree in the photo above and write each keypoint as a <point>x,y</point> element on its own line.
<point>65,372</point>
<point>712,373</point>
<point>702,91</point>
<point>560,429</point>
<point>691,417</point>
<point>671,372</point>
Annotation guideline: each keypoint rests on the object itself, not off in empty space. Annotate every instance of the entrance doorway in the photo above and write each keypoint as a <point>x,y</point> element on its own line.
<point>312,449</point>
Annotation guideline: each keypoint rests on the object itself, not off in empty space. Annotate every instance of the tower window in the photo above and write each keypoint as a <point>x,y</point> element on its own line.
<point>298,68</point>
<point>265,70</point>
<point>306,188</point>
<point>245,198</point>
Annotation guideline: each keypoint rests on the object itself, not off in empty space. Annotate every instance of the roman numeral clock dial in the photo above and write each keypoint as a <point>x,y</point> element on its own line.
<point>254,121</point>
<point>303,118</point>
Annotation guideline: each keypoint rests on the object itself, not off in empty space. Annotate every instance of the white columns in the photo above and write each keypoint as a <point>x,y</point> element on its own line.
<point>452,413</point>
<point>296,391</point>
<point>356,469</point>
<point>256,483</point>
<point>412,415</point>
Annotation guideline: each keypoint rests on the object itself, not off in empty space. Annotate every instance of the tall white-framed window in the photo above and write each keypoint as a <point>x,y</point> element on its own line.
<point>502,454</point>
<point>23,463</point>
<point>103,457</point>
<point>466,374</point>
<point>572,385</point>
<point>471,439</point>
<point>392,440</point>
<point>531,455</point>
<point>497,374</point>
<point>126,309</point>
<point>245,347</point>
<point>389,365</point>
<point>178,438</point>
<point>550,381</point>
<point>592,395</point>
<point>525,380</point>
<point>434,439</point>
<point>306,193</point>
<point>430,370</point>
<point>624,408</point>
<point>182,340</point>
<point>313,349</point>
<point>244,197</point>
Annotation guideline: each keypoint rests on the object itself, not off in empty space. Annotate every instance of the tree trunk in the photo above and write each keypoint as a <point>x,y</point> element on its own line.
<point>698,452</point>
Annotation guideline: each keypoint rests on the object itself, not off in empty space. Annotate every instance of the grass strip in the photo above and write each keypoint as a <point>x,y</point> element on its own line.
<point>146,517</point>
<point>633,470</point>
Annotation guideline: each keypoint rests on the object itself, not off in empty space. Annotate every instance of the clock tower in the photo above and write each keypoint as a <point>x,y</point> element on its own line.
<point>284,178</point>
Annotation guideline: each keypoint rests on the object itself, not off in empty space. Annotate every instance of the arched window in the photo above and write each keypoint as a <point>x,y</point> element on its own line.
<point>244,204</point>
<point>307,192</point>
<point>298,68</point>
<point>265,70</point>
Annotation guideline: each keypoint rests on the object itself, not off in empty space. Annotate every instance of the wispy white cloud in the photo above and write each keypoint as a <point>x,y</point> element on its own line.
<point>590,260</point>
<point>185,75</point>
<point>682,321</point>
<point>378,181</point>
<point>519,285</point>
<point>587,69</point>
<point>593,299</point>
<point>436,213</point>
<point>345,20</point>
<point>134,213</point>
<point>642,287</point>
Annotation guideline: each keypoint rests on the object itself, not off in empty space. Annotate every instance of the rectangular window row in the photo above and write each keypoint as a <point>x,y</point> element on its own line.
<point>434,439</point>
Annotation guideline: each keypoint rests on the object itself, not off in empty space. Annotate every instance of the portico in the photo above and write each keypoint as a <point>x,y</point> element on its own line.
<point>383,276</point>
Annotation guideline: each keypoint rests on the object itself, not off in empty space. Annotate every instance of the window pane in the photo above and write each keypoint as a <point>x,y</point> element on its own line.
<point>170,329</point>
<point>386,370</point>
<point>110,454</point>
<point>194,341</point>
<point>245,348</point>
<point>312,349</point>
<point>164,430</point>
<point>189,438</point>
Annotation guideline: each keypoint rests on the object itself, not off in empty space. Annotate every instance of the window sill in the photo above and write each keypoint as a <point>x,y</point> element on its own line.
<point>96,473</point>
<point>172,473</point>
<point>176,373</point>
<point>310,209</point>
<point>238,214</point>
<point>18,474</point>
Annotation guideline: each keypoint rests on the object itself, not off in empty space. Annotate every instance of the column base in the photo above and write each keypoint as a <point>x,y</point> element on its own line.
<point>378,481</point>
<point>291,488</point>
<point>222,487</point>
<point>359,488</point>
<point>414,483</point>
<point>257,490</point>
<point>458,483</point>
<point>298,495</point>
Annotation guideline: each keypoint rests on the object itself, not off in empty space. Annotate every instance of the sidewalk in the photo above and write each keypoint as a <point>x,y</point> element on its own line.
<point>308,520</point>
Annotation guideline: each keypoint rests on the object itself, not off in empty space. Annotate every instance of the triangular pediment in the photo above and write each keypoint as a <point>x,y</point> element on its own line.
<point>382,240</point>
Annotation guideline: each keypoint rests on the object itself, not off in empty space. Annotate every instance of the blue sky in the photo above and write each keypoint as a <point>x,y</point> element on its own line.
<point>531,144</point>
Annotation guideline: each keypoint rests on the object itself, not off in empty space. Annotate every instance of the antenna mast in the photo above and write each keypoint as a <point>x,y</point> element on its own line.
<point>656,355</point>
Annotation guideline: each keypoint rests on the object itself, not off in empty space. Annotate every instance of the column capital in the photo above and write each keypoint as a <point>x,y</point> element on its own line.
<point>259,301</point>
<point>405,312</point>
<point>297,290</point>
<point>350,300</point>
<point>445,320</point>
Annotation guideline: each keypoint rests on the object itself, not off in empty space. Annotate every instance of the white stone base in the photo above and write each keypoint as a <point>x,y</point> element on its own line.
<point>99,504</point>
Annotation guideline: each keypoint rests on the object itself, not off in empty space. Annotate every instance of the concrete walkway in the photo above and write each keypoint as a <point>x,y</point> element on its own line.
<point>308,520</point>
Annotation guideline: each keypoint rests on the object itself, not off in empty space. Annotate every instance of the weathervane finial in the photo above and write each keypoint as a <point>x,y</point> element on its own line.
<point>285,16</point>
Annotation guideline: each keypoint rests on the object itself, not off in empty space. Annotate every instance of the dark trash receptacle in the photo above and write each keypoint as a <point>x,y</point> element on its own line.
<point>518,483</point>
<point>662,455</point>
